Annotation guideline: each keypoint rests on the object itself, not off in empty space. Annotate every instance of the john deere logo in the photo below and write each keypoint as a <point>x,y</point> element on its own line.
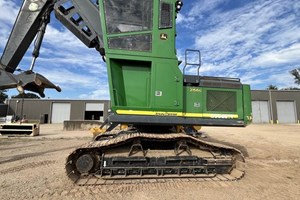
<point>163,36</point>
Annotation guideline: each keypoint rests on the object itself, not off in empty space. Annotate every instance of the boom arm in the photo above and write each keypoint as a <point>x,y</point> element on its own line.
<point>81,17</point>
<point>26,27</point>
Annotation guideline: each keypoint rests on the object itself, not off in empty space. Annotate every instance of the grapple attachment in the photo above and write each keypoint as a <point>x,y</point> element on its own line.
<point>27,80</point>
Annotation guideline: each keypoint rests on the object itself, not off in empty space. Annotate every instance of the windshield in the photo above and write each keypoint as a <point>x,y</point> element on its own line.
<point>128,16</point>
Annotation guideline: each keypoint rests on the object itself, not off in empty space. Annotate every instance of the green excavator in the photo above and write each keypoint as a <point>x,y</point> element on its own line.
<point>161,105</point>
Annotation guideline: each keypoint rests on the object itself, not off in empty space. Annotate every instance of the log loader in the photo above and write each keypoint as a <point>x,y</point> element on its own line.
<point>161,105</point>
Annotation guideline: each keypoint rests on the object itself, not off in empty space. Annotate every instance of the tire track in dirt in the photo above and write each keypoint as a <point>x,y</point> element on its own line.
<point>119,190</point>
<point>17,147</point>
<point>269,178</point>
<point>29,155</point>
<point>27,166</point>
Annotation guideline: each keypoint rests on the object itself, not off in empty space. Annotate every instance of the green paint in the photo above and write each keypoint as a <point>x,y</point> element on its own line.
<point>143,67</point>
<point>132,83</point>
<point>247,104</point>
<point>193,99</point>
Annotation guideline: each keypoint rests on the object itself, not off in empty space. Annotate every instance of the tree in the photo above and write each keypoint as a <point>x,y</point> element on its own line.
<point>272,87</point>
<point>296,74</point>
<point>291,88</point>
<point>3,96</point>
<point>26,95</point>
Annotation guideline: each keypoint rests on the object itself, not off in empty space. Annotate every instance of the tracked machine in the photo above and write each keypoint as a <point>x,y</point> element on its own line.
<point>161,105</point>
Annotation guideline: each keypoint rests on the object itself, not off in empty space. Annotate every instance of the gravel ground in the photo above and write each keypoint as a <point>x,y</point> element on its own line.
<point>33,168</point>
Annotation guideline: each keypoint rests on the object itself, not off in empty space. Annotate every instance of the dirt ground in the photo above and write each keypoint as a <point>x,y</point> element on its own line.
<point>33,168</point>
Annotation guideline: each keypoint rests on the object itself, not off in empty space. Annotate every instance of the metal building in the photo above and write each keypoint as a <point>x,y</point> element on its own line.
<point>276,106</point>
<point>58,111</point>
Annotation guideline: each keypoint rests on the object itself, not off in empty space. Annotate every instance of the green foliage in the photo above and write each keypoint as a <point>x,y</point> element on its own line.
<point>26,95</point>
<point>272,87</point>
<point>296,74</point>
<point>3,96</point>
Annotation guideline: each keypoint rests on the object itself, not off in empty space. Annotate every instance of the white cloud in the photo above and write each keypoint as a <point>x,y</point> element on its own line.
<point>281,80</point>
<point>100,93</point>
<point>62,39</point>
<point>184,19</point>
<point>248,40</point>
<point>258,41</point>
<point>68,78</point>
<point>204,6</point>
<point>285,56</point>
<point>8,11</point>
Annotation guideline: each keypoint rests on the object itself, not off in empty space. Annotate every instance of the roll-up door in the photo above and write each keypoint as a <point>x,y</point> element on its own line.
<point>94,106</point>
<point>60,112</point>
<point>286,112</point>
<point>261,112</point>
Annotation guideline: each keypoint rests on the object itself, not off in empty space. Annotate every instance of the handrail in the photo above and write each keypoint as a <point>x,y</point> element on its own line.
<point>192,64</point>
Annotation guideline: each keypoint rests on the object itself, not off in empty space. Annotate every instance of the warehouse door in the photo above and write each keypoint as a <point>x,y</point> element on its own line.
<point>261,112</point>
<point>60,112</point>
<point>94,111</point>
<point>286,112</point>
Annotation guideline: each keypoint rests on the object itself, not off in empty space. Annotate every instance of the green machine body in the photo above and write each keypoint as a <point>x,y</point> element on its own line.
<point>145,82</point>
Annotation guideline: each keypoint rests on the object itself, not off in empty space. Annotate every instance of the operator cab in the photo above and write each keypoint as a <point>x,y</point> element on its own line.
<point>139,27</point>
<point>129,24</point>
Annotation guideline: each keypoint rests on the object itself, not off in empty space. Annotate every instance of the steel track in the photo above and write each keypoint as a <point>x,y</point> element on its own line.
<point>237,172</point>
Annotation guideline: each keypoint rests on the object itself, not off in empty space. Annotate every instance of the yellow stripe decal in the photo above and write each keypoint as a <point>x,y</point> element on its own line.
<point>177,114</point>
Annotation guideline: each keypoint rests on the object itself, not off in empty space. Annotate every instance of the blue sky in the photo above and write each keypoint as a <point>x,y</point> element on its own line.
<point>255,40</point>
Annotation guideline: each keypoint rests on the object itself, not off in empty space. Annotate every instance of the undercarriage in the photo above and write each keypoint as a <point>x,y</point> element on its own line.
<point>116,157</point>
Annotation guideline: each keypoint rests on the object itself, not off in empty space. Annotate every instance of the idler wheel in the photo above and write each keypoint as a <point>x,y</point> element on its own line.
<point>84,163</point>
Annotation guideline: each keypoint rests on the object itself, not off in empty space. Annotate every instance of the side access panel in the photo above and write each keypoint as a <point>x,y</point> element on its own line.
<point>137,82</point>
<point>193,100</point>
<point>130,83</point>
<point>168,94</point>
